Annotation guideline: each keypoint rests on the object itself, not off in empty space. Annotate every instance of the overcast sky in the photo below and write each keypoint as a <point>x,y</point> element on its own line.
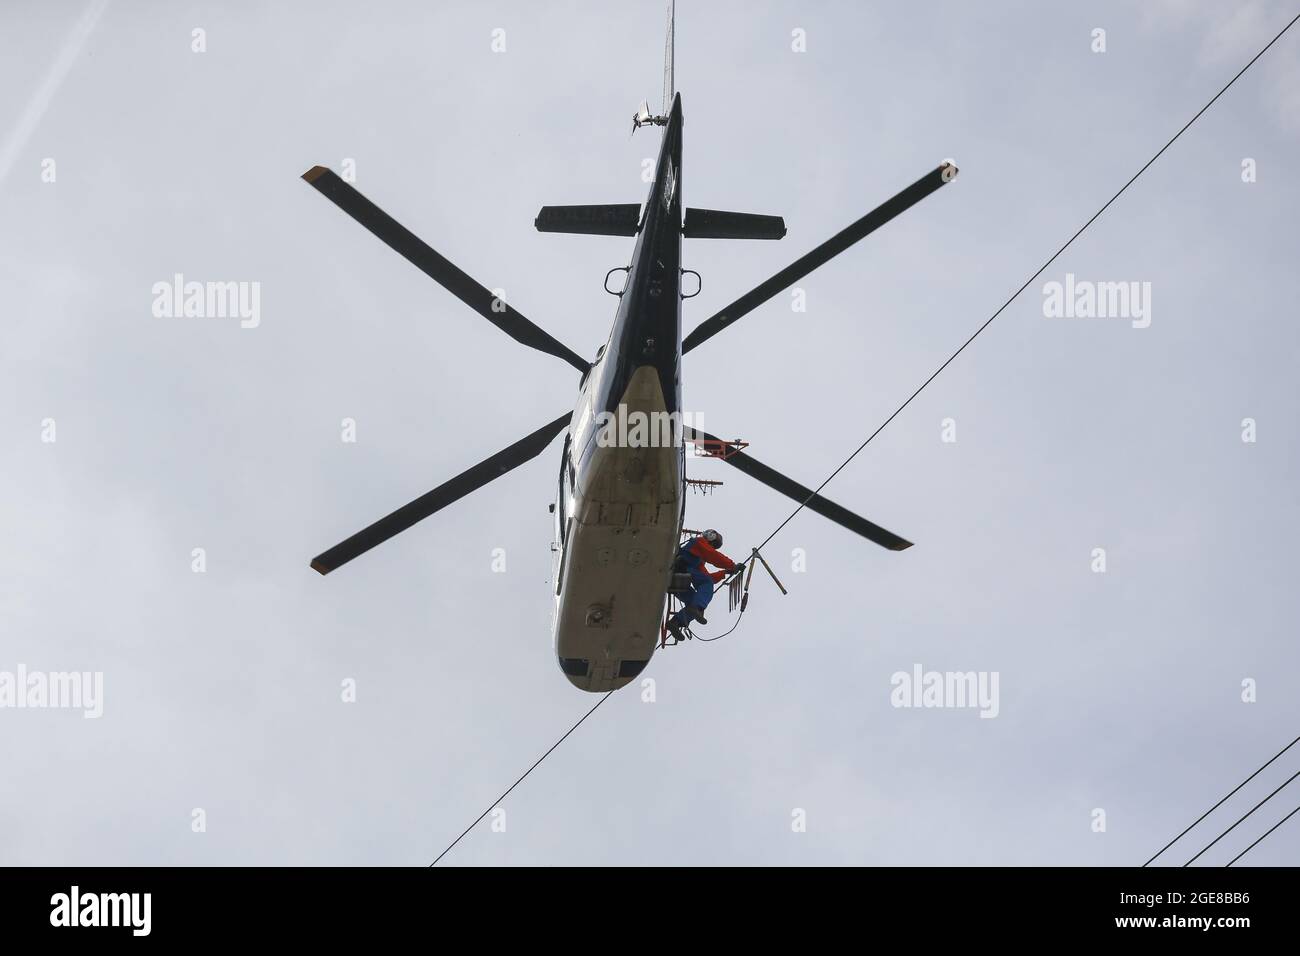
<point>1119,691</point>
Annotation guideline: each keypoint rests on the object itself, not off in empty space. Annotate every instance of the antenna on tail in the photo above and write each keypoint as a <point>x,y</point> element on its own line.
<point>643,117</point>
<point>668,61</point>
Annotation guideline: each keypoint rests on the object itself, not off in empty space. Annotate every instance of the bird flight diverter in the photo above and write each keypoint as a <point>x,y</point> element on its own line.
<point>735,591</point>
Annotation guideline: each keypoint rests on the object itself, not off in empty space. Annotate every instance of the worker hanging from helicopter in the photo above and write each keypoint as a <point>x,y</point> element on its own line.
<point>692,557</point>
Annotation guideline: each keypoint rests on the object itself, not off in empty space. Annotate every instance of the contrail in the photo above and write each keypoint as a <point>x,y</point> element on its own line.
<point>40,102</point>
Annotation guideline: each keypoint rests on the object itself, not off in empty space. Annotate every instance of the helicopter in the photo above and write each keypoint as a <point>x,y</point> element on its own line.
<point>620,506</point>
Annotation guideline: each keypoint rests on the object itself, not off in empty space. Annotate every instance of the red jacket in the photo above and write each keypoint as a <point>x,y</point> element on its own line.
<point>696,553</point>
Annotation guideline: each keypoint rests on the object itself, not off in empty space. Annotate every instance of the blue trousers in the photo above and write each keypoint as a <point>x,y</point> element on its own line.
<point>702,594</point>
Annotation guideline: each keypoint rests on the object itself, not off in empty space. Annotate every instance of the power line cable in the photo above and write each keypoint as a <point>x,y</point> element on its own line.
<point>498,800</point>
<point>1222,801</point>
<point>1243,817</point>
<point>1261,839</point>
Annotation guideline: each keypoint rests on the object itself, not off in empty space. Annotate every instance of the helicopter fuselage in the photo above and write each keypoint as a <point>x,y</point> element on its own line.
<point>620,497</point>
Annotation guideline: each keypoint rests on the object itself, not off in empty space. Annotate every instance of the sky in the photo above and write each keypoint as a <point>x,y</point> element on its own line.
<point>254,712</point>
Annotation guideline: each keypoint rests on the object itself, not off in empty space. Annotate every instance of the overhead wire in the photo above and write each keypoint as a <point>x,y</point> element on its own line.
<point>1222,800</point>
<point>536,764</point>
<point>1242,819</point>
<point>1261,839</point>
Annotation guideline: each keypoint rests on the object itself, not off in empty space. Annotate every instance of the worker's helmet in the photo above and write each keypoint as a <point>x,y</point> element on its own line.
<point>713,538</point>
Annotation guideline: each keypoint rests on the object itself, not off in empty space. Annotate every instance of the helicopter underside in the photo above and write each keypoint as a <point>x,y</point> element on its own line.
<point>622,527</point>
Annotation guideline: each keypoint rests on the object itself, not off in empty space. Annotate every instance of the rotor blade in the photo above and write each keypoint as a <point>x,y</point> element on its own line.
<point>503,461</point>
<point>832,247</point>
<point>810,500</point>
<point>408,245</point>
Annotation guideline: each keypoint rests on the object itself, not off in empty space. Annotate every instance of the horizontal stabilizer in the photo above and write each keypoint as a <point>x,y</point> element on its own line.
<point>716,224</point>
<point>617,220</point>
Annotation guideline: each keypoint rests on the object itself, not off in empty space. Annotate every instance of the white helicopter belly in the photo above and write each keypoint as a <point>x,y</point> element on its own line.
<point>621,536</point>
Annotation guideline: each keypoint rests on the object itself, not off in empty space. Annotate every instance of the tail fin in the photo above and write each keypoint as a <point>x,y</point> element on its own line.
<point>642,116</point>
